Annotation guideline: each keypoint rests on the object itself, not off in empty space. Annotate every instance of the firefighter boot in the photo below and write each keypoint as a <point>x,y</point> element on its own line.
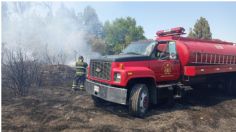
<point>81,87</point>
<point>74,86</point>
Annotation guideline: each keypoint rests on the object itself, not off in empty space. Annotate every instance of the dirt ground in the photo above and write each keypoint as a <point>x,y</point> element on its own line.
<point>58,109</point>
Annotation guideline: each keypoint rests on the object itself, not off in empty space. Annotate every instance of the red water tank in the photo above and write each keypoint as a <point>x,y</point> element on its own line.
<point>200,52</point>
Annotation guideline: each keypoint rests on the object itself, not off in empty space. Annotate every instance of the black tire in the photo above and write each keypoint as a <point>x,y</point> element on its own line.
<point>232,86</point>
<point>139,100</point>
<point>228,86</point>
<point>97,101</point>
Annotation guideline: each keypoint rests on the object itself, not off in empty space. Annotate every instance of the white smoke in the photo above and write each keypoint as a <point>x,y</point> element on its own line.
<point>39,29</point>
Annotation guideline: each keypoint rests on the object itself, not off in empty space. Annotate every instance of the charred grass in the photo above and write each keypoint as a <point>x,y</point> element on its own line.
<point>59,109</point>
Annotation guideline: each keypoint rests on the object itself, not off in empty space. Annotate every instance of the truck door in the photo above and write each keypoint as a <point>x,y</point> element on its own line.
<point>167,65</point>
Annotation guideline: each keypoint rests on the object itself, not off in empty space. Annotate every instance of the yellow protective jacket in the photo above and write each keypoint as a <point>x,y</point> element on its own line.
<point>81,68</point>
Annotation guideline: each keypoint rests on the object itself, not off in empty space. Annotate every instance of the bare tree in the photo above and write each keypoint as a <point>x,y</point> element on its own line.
<point>3,52</point>
<point>75,54</point>
<point>21,72</point>
<point>59,58</point>
<point>48,59</point>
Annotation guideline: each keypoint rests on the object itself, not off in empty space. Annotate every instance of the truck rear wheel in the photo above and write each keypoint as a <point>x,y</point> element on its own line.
<point>234,86</point>
<point>231,86</point>
<point>139,100</point>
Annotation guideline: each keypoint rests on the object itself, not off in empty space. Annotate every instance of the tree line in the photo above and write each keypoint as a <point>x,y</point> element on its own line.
<point>117,34</point>
<point>113,36</point>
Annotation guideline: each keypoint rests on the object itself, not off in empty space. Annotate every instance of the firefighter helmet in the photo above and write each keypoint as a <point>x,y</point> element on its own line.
<point>81,58</point>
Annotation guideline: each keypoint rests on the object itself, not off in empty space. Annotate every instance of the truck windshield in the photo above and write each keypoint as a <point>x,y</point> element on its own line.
<point>139,48</point>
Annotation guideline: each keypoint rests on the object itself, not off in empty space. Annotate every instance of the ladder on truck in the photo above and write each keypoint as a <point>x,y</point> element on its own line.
<point>207,58</point>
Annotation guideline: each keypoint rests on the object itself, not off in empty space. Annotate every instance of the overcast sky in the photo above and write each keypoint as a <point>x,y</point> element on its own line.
<point>155,16</point>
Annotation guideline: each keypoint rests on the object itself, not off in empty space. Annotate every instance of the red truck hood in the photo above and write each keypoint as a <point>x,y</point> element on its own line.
<point>123,58</point>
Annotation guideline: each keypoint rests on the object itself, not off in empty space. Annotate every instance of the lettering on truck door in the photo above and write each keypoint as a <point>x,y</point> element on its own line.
<point>167,67</point>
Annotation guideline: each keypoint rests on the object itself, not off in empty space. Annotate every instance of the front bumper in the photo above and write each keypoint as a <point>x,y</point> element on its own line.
<point>108,93</point>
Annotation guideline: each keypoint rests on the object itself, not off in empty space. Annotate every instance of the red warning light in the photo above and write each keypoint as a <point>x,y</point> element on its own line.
<point>171,32</point>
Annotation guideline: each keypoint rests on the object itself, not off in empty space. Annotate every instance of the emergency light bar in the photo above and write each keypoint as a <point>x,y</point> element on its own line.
<point>171,32</point>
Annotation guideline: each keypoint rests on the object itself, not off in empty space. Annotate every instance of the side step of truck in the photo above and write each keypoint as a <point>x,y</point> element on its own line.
<point>166,85</point>
<point>178,89</point>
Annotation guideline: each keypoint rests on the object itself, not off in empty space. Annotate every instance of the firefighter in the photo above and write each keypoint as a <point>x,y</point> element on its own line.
<point>80,74</point>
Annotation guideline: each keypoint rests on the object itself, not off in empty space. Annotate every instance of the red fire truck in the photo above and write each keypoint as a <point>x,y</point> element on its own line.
<point>149,71</point>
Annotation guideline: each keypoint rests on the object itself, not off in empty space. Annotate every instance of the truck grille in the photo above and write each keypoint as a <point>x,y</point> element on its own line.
<point>100,69</point>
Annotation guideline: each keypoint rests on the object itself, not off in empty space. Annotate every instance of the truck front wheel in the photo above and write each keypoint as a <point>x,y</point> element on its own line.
<point>139,100</point>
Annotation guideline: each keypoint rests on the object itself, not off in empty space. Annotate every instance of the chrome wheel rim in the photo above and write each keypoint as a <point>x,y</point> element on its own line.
<point>143,102</point>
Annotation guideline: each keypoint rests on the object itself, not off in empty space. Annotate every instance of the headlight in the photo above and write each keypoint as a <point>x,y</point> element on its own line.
<point>117,77</point>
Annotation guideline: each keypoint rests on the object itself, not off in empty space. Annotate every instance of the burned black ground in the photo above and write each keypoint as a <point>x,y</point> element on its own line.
<point>59,109</point>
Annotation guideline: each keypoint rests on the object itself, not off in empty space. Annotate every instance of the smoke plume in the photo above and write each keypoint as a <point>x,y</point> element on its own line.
<point>45,31</point>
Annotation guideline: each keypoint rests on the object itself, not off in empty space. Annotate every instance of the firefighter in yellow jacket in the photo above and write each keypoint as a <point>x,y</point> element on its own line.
<point>80,74</point>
